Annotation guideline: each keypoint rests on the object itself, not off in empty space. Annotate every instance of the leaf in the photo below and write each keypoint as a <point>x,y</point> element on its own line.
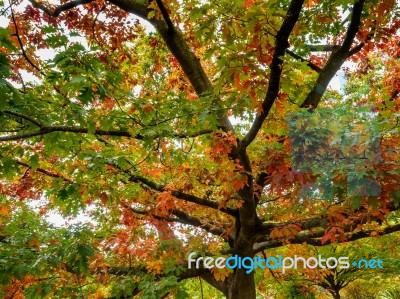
<point>34,161</point>
<point>239,183</point>
<point>4,211</point>
<point>249,3</point>
<point>151,14</point>
<point>220,274</point>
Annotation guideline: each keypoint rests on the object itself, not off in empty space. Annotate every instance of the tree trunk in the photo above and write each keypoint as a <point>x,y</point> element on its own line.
<point>336,294</point>
<point>242,285</point>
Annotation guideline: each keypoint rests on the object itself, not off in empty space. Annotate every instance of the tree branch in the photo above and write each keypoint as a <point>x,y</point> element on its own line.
<point>180,195</point>
<point>71,129</point>
<point>26,117</point>
<point>336,59</point>
<point>362,44</point>
<point>59,9</point>
<point>310,64</point>
<point>315,238</point>
<point>174,40</point>
<point>22,46</point>
<point>46,172</point>
<point>68,129</point>
<point>187,219</point>
<point>165,15</point>
<point>281,46</point>
<point>305,224</point>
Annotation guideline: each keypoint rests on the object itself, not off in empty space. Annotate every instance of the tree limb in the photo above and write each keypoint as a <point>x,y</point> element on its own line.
<point>174,40</point>
<point>71,129</point>
<point>165,15</point>
<point>49,129</point>
<point>305,224</point>
<point>315,238</point>
<point>281,46</point>
<point>336,59</point>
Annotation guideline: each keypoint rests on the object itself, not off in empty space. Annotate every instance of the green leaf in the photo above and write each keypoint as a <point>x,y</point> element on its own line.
<point>34,161</point>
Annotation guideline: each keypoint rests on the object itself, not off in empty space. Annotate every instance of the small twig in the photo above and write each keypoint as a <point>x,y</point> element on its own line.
<point>166,295</point>
<point>201,288</point>
<point>270,270</point>
<point>46,172</point>
<point>21,44</point>
<point>28,118</point>
<point>22,82</point>
<point>94,23</point>
<point>4,10</point>
<point>309,63</point>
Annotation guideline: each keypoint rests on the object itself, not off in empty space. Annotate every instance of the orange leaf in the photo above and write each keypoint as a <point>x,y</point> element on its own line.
<point>249,3</point>
<point>4,211</point>
<point>237,80</point>
<point>238,183</point>
<point>148,108</point>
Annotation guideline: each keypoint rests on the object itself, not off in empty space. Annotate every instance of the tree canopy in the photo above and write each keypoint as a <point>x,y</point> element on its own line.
<point>190,126</point>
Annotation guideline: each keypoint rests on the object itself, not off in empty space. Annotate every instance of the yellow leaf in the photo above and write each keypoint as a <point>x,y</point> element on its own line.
<point>151,14</point>
<point>220,274</point>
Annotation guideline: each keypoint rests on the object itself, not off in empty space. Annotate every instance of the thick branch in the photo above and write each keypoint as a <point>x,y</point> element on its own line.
<point>281,46</point>
<point>71,129</point>
<point>46,130</point>
<point>179,48</point>
<point>315,238</point>
<point>165,15</point>
<point>319,223</point>
<point>186,273</point>
<point>174,40</point>
<point>336,59</point>
<point>316,241</point>
<point>362,44</point>
<point>305,224</point>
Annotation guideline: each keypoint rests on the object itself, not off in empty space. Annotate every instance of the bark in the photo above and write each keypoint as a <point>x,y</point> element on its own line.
<point>336,294</point>
<point>242,285</point>
<point>336,59</point>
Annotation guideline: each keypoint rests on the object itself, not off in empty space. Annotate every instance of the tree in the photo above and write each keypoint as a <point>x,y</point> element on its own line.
<point>135,126</point>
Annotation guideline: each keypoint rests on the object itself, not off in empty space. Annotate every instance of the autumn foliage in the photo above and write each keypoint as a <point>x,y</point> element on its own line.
<point>159,128</point>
